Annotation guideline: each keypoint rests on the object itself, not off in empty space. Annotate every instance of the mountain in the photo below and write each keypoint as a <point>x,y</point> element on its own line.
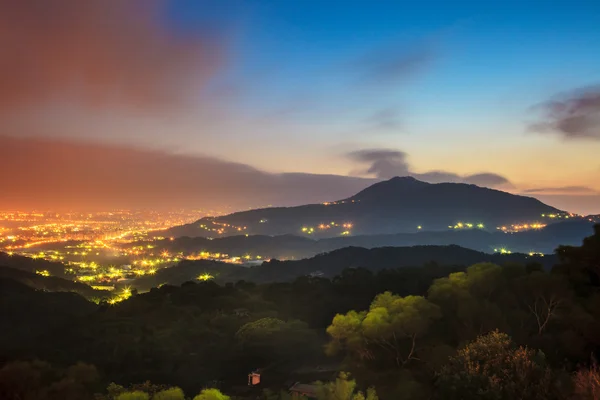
<point>570,232</point>
<point>32,264</point>
<point>48,283</point>
<point>332,264</point>
<point>399,205</point>
<point>29,315</point>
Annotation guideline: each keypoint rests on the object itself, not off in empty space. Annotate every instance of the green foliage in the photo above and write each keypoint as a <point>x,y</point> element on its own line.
<point>282,395</point>
<point>211,394</point>
<point>492,367</point>
<point>135,395</point>
<point>343,388</point>
<point>39,380</point>
<point>169,394</point>
<point>393,324</point>
<point>261,329</point>
<point>393,329</point>
<point>468,300</point>
<point>581,265</point>
<point>269,340</point>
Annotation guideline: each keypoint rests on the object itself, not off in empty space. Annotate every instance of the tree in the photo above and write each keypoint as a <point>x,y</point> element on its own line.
<point>491,367</point>
<point>135,395</point>
<point>393,324</point>
<point>282,395</point>
<point>586,383</point>
<point>544,296</point>
<point>174,393</point>
<point>211,394</point>
<point>581,264</point>
<point>468,300</point>
<point>269,340</point>
<point>343,388</point>
<point>40,380</point>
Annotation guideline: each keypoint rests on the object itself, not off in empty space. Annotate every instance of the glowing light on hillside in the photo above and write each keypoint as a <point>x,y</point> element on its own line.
<point>205,277</point>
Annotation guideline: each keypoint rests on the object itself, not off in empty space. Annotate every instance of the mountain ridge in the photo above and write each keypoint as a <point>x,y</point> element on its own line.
<point>398,205</point>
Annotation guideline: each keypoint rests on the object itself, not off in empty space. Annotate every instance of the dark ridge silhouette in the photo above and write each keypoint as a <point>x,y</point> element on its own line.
<point>31,264</point>
<point>332,263</point>
<point>27,313</point>
<point>295,247</point>
<point>399,205</point>
<point>48,283</point>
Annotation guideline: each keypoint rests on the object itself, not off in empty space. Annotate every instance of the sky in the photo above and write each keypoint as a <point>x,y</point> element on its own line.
<point>237,104</point>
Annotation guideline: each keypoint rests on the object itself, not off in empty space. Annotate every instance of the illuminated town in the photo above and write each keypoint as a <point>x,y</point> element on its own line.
<point>95,247</point>
<point>108,249</point>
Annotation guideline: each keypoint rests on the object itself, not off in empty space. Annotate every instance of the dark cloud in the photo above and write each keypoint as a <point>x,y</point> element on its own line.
<point>562,190</point>
<point>387,119</point>
<point>486,179</point>
<point>100,52</point>
<point>385,164</point>
<point>394,64</point>
<point>59,175</point>
<point>573,116</point>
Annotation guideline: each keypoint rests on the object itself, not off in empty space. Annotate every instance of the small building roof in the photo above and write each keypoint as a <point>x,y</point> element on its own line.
<point>304,388</point>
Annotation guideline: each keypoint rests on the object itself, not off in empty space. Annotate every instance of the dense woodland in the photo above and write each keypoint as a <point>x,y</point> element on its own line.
<point>332,264</point>
<point>484,331</point>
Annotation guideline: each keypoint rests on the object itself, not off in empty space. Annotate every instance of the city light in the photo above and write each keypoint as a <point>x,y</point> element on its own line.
<point>205,277</point>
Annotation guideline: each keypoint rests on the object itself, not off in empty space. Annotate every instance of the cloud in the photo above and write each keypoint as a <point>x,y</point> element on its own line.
<point>577,190</point>
<point>387,119</point>
<point>573,116</point>
<point>580,204</point>
<point>61,175</point>
<point>394,64</point>
<point>386,163</point>
<point>100,52</point>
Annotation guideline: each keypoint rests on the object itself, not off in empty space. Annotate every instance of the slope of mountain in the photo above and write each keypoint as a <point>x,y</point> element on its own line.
<point>32,265</point>
<point>399,205</point>
<point>48,283</point>
<point>545,241</point>
<point>30,315</point>
<point>331,264</point>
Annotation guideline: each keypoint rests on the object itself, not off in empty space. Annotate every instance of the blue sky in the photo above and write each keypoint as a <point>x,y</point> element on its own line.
<point>481,67</point>
<point>438,88</point>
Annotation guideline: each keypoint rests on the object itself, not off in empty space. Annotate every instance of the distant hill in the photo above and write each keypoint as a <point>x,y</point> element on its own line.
<point>28,315</point>
<point>331,264</point>
<point>32,265</point>
<point>399,205</point>
<point>48,283</point>
<point>545,241</point>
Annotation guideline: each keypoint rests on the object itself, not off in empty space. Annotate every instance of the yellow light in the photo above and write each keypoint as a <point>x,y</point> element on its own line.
<point>205,277</point>
<point>419,227</point>
<point>480,226</point>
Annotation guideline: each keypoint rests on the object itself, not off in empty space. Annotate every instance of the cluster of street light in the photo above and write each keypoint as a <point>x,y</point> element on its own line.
<point>344,228</point>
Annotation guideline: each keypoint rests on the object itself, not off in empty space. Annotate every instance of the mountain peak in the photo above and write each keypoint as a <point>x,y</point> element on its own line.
<point>397,185</point>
